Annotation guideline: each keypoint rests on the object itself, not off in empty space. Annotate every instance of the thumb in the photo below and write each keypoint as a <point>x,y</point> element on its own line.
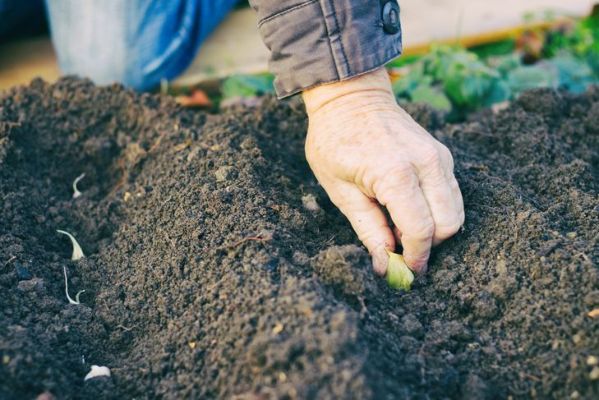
<point>368,221</point>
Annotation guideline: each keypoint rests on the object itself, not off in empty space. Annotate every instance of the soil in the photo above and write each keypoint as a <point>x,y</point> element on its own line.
<point>216,267</point>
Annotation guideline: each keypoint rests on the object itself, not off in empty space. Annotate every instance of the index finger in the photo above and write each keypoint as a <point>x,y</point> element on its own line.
<point>401,194</point>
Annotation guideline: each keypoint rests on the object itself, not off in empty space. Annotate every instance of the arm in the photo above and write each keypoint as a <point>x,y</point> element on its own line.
<point>365,151</point>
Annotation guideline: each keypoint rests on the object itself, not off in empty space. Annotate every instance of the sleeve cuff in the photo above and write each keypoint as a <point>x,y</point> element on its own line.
<point>323,41</point>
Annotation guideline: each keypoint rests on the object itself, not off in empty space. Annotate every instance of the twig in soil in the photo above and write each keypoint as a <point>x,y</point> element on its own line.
<point>156,143</point>
<point>331,240</point>
<point>532,377</point>
<point>77,252</point>
<point>363,308</point>
<point>182,146</point>
<point>66,289</point>
<point>123,327</point>
<point>261,237</point>
<point>10,260</point>
<point>121,164</point>
<point>76,192</point>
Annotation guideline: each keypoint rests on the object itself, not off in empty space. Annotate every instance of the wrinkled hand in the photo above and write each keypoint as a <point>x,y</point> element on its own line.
<point>367,152</point>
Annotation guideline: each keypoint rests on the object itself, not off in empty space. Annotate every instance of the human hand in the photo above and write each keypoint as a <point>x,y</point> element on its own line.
<point>367,152</point>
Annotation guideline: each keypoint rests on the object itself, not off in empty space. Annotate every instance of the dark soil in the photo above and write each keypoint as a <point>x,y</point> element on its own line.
<point>206,276</point>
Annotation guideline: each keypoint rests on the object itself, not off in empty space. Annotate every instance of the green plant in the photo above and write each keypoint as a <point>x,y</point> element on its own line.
<point>451,78</point>
<point>580,38</point>
<point>399,275</point>
<point>247,85</point>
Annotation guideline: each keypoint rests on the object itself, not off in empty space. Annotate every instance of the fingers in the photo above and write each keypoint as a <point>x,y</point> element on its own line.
<point>368,221</point>
<point>457,195</point>
<point>400,192</point>
<point>441,197</point>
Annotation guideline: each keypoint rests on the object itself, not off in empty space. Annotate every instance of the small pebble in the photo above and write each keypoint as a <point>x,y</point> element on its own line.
<point>594,375</point>
<point>592,361</point>
<point>278,328</point>
<point>282,377</point>
<point>310,203</point>
<point>223,174</point>
<point>571,235</point>
<point>36,284</point>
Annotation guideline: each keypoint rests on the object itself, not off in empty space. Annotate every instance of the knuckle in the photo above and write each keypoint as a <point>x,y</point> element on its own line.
<point>445,232</point>
<point>430,156</point>
<point>424,230</point>
<point>367,238</point>
<point>394,180</point>
<point>446,156</point>
<point>453,184</point>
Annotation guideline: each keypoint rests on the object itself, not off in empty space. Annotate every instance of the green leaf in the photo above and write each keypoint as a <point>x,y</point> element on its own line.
<point>409,82</point>
<point>505,64</point>
<point>247,85</point>
<point>399,275</point>
<point>432,96</point>
<point>500,48</point>
<point>532,76</point>
<point>468,90</point>
<point>575,75</point>
<point>466,80</point>
<point>499,92</point>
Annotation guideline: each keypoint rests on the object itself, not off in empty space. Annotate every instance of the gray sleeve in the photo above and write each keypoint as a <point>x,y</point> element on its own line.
<point>312,42</point>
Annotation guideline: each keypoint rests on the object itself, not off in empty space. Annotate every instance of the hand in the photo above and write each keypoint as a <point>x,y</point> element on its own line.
<point>368,153</point>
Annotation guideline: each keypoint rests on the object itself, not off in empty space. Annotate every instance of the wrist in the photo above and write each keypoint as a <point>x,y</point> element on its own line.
<point>371,88</point>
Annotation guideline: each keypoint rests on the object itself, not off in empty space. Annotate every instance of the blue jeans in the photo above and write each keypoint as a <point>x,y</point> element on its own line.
<point>136,42</point>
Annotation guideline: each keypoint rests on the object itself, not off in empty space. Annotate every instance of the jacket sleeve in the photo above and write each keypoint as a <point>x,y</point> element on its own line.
<point>312,42</point>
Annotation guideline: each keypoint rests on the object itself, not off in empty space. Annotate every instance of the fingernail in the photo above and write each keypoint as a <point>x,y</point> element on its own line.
<point>380,259</point>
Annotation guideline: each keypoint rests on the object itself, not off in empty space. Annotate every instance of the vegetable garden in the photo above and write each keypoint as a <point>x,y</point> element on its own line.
<point>198,257</point>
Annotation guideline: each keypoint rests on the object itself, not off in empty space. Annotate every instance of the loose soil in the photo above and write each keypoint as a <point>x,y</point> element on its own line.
<point>216,267</point>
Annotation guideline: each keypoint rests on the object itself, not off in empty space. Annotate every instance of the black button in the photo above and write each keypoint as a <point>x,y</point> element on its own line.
<point>391,17</point>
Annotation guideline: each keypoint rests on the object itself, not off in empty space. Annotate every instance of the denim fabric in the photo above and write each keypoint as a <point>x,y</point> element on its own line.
<point>136,42</point>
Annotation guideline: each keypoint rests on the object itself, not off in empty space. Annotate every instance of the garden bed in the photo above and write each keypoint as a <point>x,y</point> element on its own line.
<point>206,275</point>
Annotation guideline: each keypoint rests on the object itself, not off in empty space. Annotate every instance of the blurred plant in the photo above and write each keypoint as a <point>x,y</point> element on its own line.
<point>451,75</point>
<point>247,86</point>
<point>451,78</point>
<point>581,39</point>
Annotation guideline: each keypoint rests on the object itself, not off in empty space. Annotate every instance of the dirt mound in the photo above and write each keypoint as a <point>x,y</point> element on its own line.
<point>216,267</point>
